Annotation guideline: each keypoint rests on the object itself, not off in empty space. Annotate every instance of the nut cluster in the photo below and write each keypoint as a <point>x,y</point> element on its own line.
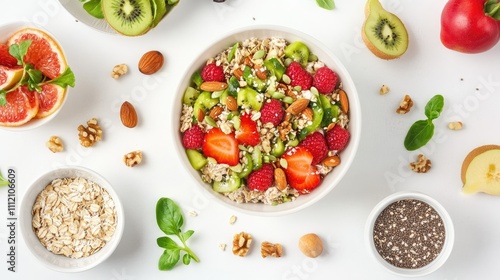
<point>133,158</point>
<point>241,244</point>
<point>422,165</point>
<point>268,249</point>
<point>55,144</point>
<point>90,134</point>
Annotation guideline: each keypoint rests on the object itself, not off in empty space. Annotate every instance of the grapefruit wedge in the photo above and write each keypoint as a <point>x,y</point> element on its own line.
<point>6,59</point>
<point>44,53</point>
<point>51,98</point>
<point>22,105</point>
<point>9,76</point>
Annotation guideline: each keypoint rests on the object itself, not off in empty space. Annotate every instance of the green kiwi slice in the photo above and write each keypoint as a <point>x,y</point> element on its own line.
<point>383,32</point>
<point>128,17</point>
<point>298,51</point>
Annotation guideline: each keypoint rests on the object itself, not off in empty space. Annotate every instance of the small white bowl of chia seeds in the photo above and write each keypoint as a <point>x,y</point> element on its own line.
<point>410,234</point>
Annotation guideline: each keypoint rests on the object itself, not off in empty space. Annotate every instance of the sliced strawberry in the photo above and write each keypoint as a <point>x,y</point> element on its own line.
<point>248,134</point>
<point>220,146</point>
<point>301,175</point>
<point>6,59</point>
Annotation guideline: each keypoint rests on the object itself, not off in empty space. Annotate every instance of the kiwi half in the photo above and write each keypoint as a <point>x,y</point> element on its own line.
<point>128,17</point>
<point>384,33</point>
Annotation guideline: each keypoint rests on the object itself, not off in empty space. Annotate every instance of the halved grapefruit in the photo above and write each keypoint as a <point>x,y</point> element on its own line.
<point>22,105</point>
<point>6,59</point>
<point>51,98</point>
<point>9,76</point>
<point>44,53</point>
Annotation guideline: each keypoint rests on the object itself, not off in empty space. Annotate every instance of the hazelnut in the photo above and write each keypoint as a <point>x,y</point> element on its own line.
<point>311,245</point>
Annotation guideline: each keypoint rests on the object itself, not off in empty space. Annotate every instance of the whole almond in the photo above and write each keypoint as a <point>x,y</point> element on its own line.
<point>213,86</point>
<point>200,115</point>
<point>128,115</point>
<point>344,101</point>
<point>331,161</point>
<point>231,103</point>
<point>238,73</point>
<point>215,112</point>
<point>280,178</point>
<point>308,113</point>
<point>151,62</point>
<point>298,106</point>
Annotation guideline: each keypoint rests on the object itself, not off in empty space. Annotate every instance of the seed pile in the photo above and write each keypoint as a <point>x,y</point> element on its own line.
<point>409,234</point>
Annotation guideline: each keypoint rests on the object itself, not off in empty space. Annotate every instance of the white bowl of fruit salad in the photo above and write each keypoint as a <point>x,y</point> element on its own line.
<point>267,120</point>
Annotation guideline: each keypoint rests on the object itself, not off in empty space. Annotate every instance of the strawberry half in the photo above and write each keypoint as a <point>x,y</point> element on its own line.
<point>220,146</point>
<point>248,134</point>
<point>300,173</point>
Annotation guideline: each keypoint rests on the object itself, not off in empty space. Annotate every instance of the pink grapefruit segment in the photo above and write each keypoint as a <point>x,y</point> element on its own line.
<point>9,76</point>
<point>22,105</point>
<point>51,98</point>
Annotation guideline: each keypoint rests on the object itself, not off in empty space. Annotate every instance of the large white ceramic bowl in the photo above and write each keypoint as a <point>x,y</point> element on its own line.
<point>325,55</point>
<point>6,31</point>
<point>406,272</point>
<point>60,262</point>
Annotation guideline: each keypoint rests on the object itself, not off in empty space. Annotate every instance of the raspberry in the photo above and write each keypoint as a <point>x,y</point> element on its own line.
<point>262,179</point>
<point>337,138</point>
<point>325,80</point>
<point>299,76</point>
<point>193,138</point>
<point>212,72</point>
<point>316,144</point>
<point>272,112</point>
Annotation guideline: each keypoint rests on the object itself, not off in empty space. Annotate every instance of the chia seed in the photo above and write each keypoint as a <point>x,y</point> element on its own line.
<point>409,233</point>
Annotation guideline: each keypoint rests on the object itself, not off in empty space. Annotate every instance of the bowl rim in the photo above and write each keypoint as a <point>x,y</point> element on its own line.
<point>27,232</point>
<point>11,28</point>
<point>346,80</point>
<point>448,224</point>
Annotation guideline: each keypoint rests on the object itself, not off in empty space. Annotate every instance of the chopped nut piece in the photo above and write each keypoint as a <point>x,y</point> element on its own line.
<point>308,113</point>
<point>269,249</point>
<point>55,144</point>
<point>119,70</point>
<point>422,165</point>
<point>193,213</point>
<point>384,90</point>
<point>232,220</point>
<point>91,134</point>
<point>405,105</point>
<point>222,246</point>
<point>241,244</point>
<point>455,125</point>
<point>133,158</point>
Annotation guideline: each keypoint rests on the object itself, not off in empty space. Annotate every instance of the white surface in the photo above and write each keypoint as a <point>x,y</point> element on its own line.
<point>469,83</point>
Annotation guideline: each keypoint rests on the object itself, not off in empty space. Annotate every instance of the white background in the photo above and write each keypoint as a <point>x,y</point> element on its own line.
<point>469,83</point>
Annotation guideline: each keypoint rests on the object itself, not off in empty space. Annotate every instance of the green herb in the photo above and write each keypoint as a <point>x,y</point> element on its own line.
<point>422,131</point>
<point>326,4</point>
<point>3,182</point>
<point>230,56</point>
<point>169,219</point>
<point>32,77</point>
<point>93,7</point>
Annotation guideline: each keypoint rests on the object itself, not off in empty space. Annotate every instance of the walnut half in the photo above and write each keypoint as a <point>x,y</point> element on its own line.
<point>91,134</point>
<point>422,165</point>
<point>133,158</point>
<point>269,249</point>
<point>55,144</point>
<point>241,244</point>
<point>405,105</point>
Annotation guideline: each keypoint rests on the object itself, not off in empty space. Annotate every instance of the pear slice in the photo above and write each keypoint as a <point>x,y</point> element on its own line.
<point>481,170</point>
<point>384,33</point>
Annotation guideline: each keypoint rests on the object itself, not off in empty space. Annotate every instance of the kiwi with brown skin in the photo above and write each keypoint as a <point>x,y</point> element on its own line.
<point>128,17</point>
<point>384,33</point>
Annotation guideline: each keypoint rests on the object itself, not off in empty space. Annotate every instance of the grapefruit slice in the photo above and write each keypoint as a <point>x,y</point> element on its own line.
<point>22,105</point>
<point>9,76</point>
<point>44,53</point>
<point>51,98</point>
<point>6,59</point>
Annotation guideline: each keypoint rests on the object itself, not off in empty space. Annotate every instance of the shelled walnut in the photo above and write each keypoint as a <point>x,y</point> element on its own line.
<point>55,144</point>
<point>269,249</point>
<point>405,105</point>
<point>91,134</point>
<point>241,244</point>
<point>119,70</point>
<point>422,165</point>
<point>133,158</point>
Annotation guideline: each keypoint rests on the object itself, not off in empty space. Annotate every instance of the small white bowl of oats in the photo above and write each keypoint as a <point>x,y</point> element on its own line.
<point>267,120</point>
<point>71,219</point>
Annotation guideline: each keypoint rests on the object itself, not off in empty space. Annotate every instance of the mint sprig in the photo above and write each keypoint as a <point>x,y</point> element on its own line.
<point>170,220</point>
<point>422,130</point>
<point>32,77</point>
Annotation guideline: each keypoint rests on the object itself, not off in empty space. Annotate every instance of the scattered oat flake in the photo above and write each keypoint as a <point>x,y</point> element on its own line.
<point>232,220</point>
<point>222,247</point>
<point>193,213</point>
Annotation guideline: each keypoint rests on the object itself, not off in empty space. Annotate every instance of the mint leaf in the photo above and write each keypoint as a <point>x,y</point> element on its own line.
<point>166,242</point>
<point>93,8</point>
<point>67,78</point>
<point>326,4</point>
<point>434,107</point>
<point>168,216</point>
<point>419,134</point>
<point>168,259</point>
<point>3,97</point>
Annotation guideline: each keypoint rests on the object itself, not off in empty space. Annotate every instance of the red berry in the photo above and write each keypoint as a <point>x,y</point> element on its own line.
<point>316,144</point>
<point>222,147</point>
<point>6,59</point>
<point>325,80</point>
<point>261,179</point>
<point>300,174</point>
<point>193,138</point>
<point>247,133</point>
<point>272,112</point>
<point>299,76</point>
<point>337,138</point>
<point>212,72</point>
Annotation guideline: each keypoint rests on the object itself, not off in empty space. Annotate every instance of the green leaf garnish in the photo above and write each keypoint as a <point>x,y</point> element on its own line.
<point>67,78</point>
<point>93,8</point>
<point>3,97</point>
<point>3,182</point>
<point>326,4</point>
<point>230,56</point>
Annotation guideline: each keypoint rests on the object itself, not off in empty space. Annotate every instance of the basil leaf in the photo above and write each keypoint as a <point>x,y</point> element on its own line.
<point>93,7</point>
<point>169,216</point>
<point>3,97</point>
<point>3,181</point>
<point>186,259</point>
<point>67,78</point>
<point>168,259</point>
<point>326,4</point>
<point>419,134</point>
<point>434,107</point>
<point>166,242</point>
<point>186,235</point>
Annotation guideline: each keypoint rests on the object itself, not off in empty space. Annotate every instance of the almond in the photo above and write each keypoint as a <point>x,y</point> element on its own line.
<point>330,126</point>
<point>331,161</point>
<point>151,62</point>
<point>280,178</point>
<point>213,86</point>
<point>215,112</point>
<point>200,115</point>
<point>260,71</point>
<point>238,73</point>
<point>298,106</point>
<point>308,113</point>
<point>231,103</point>
<point>344,101</point>
<point>128,115</point>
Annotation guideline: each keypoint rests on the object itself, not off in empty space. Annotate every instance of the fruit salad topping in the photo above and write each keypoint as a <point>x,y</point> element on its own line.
<point>264,121</point>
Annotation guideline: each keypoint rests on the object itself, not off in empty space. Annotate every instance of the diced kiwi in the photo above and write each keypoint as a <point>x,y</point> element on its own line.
<point>249,97</point>
<point>384,33</point>
<point>278,148</point>
<point>196,159</point>
<point>275,67</point>
<point>298,51</point>
<point>248,167</point>
<point>190,96</point>
<point>228,185</point>
<point>256,159</point>
<point>204,102</point>
<point>128,17</point>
